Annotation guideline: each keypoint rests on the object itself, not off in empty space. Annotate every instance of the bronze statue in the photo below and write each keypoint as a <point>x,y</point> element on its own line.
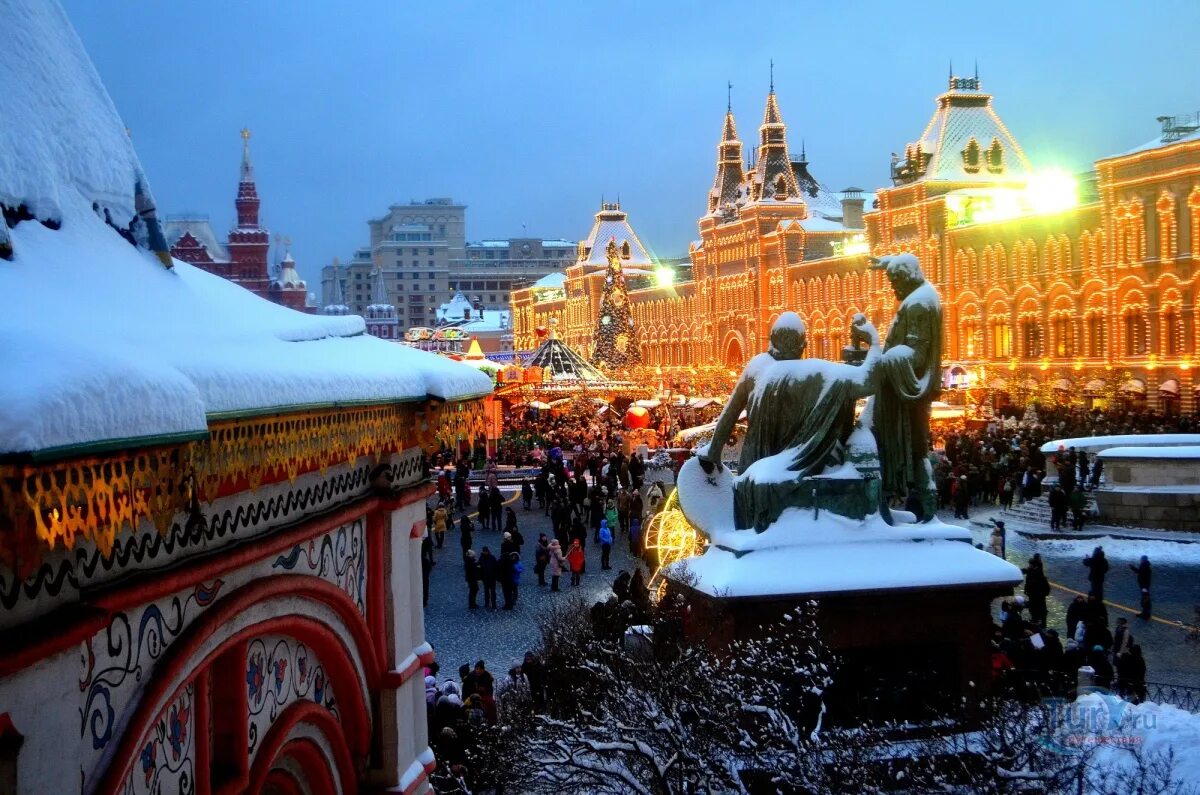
<point>910,371</point>
<point>799,414</point>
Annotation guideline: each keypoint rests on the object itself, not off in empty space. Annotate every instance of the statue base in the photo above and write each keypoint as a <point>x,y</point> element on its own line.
<point>899,602</point>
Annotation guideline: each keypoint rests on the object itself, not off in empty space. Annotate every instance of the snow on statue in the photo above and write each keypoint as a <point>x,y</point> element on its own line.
<point>909,375</point>
<point>800,415</point>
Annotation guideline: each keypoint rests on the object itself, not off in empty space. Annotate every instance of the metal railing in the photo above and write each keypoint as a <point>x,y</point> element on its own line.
<point>1186,697</point>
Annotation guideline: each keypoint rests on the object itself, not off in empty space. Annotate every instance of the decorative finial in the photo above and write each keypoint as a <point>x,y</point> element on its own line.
<point>951,68</point>
<point>803,151</point>
<point>977,71</point>
<point>772,75</point>
<point>729,97</point>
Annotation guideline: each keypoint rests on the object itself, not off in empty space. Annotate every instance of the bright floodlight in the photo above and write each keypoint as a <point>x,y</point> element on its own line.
<point>1051,192</point>
<point>664,276</point>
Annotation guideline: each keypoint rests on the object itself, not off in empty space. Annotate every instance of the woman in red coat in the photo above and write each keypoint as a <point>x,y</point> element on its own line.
<point>575,561</point>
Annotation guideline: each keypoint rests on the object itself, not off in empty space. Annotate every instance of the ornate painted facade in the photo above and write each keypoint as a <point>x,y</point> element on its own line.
<point>1088,300</point>
<point>239,613</point>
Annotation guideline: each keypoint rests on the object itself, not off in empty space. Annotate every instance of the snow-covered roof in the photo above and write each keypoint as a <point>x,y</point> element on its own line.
<point>963,115</point>
<point>1190,452</point>
<point>459,312</point>
<point>612,223</point>
<point>552,280</point>
<point>819,223</point>
<point>289,277</point>
<point>1157,143</point>
<point>199,227</point>
<point>149,352</point>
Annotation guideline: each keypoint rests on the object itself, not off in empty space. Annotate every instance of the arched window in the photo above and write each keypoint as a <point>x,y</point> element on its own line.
<point>995,157</point>
<point>1031,337</point>
<point>970,155</point>
<point>781,191</point>
<point>1096,334</point>
<point>1137,338</point>
<point>1172,331</point>
<point>1001,338</point>
<point>1064,336</point>
<point>626,251</point>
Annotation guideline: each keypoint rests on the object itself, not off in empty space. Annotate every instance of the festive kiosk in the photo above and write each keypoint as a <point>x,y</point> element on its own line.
<point>211,506</point>
<point>904,602</point>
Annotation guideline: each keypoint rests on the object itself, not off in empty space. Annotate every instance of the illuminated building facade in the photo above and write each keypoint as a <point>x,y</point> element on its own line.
<point>1052,290</point>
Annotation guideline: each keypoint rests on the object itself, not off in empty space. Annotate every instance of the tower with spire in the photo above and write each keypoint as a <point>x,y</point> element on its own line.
<point>772,177</point>
<point>727,187</point>
<point>381,314</point>
<point>337,304</point>
<point>248,241</point>
<point>287,288</point>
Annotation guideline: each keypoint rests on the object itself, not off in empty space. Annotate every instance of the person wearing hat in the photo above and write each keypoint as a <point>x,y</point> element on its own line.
<point>1037,588</point>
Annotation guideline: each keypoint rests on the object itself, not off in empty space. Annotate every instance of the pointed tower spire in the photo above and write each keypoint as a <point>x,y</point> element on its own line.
<point>379,294</point>
<point>337,304</point>
<point>772,75</point>
<point>247,199</point>
<point>727,184</point>
<point>773,176</point>
<point>247,166</point>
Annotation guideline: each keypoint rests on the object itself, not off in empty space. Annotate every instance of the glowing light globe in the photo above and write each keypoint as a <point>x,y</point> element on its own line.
<point>637,418</point>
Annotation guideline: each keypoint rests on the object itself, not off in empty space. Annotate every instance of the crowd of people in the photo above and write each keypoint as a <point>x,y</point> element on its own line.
<point>1002,464</point>
<point>1028,652</point>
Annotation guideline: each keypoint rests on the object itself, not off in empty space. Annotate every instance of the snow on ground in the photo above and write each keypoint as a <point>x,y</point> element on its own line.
<point>1095,443</point>
<point>100,341</point>
<point>1117,726</point>
<point>1124,549</point>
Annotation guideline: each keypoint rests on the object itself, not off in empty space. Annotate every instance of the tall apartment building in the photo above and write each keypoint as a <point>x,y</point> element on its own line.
<point>421,252</point>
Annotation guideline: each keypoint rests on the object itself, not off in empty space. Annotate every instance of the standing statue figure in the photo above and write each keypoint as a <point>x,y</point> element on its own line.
<point>799,413</point>
<point>910,373</point>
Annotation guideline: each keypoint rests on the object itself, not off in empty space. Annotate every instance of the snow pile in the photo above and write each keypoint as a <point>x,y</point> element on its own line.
<point>1182,451</point>
<point>60,131</point>
<point>99,341</point>
<point>1152,729</point>
<point>1097,443</point>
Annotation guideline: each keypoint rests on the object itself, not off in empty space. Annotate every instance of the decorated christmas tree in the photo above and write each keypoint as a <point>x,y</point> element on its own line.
<point>616,337</point>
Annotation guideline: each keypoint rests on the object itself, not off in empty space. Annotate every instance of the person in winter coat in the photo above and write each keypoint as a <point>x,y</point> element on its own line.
<point>1077,501</point>
<point>485,514</point>
<point>606,542</point>
<point>962,499</point>
<point>504,575</point>
<point>1037,588</point>
<point>1097,566</point>
<point>515,585</point>
<point>1144,575</point>
<point>471,572</point>
<point>487,575</point>
<point>1100,664</point>
<point>1131,675</point>
<point>639,593</point>
<point>541,558</point>
<point>575,561</point>
<point>997,542</point>
<point>508,545</point>
<point>466,529</point>
<point>1058,507</point>
<point>555,563</point>
<point>1122,639</point>
<point>653,497</point>
<point>440,518</point>
<point>595,512</point>
<point>526,494</point>
<point>612,515</point>
<point>496,505</point>
<point>1076,613</point>
<point>510,520</point>
<point>427,564</point>
<point>623,503</point>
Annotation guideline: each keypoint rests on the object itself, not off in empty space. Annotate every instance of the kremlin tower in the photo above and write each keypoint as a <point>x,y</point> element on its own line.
<point>244,257</point>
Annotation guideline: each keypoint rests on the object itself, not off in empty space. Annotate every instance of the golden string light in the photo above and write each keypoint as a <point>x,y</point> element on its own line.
<point>671,537</point>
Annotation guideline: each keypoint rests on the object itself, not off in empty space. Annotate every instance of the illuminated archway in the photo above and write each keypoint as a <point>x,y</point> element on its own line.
<point>735,350</point>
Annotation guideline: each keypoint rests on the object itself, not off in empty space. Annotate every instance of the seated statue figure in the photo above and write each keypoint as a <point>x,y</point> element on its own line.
<point>799,415</point>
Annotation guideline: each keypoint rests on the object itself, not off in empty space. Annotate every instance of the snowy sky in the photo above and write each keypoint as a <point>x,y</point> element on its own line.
<point>529,112</point>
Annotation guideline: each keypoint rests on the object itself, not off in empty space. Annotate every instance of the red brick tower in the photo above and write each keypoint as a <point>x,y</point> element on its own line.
<point>249,242</point>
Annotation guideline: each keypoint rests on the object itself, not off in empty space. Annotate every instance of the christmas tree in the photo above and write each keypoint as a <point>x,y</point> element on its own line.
<point>616,338</point>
